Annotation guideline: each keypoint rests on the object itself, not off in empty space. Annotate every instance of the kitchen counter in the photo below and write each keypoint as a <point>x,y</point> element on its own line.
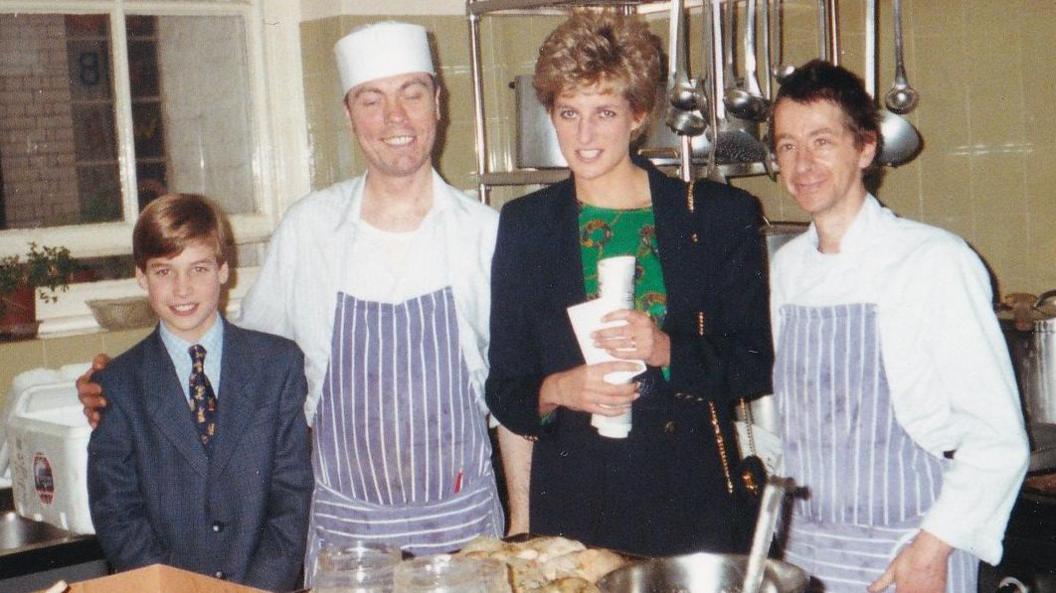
<point>33,554</point>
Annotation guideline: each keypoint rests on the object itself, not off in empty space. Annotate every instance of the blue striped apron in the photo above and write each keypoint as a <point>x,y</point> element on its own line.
<point>868,484</point>
<point>401,449</point>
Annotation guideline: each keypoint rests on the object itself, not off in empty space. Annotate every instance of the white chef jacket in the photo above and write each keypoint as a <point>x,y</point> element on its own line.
<point>947,365</point>
<point>305,267</point>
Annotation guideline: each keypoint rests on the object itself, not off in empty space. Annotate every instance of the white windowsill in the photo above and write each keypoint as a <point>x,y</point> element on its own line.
<point>70,315</point>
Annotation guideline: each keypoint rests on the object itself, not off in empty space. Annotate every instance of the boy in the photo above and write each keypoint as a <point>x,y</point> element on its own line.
<point>214,481</point>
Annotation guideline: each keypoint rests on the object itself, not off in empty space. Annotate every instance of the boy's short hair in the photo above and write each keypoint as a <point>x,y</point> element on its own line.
<point>172,222</point>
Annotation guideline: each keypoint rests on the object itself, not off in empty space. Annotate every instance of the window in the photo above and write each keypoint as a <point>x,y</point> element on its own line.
<point>106,104</point>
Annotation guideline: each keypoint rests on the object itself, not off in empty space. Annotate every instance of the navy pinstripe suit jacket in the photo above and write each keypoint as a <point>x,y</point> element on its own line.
<point>157,496</point>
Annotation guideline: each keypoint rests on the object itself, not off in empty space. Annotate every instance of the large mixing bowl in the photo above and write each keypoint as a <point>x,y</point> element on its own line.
<point>700,573</point>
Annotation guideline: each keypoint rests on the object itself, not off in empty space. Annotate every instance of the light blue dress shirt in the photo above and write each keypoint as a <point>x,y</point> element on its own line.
<point>212,341</point>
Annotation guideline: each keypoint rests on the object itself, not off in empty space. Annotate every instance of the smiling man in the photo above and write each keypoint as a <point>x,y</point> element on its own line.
<point>383,280</point>
<point>384,283</point>
<point>899,407</point>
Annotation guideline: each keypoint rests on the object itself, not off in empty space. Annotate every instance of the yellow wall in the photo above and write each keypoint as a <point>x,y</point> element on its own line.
<point>987,115</point>
<point>55,352</point>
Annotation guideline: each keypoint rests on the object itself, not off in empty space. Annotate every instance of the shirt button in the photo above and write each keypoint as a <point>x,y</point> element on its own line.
<point>670,427</point>
<point>217,526</point>
<point>219,574</point>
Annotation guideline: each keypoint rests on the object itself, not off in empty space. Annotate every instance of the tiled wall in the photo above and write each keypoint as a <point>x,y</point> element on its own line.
<point>55,352</point>
<point>987,115</point>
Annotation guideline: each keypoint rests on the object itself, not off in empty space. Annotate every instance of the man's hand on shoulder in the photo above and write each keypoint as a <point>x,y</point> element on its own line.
<point>91,394</point>
<point>920,567</point>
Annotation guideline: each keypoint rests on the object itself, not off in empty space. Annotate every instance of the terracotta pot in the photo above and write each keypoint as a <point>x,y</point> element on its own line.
<point>18,314</point>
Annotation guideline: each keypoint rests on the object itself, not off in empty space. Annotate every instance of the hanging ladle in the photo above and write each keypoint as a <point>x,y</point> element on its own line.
<point>769,511</point>
<point>902,98</point>
<point>686,96</point>
<point>901,141</point>
<point>778,70</point>
<point>711,64</point>
<point>748,102</point>
<point>735,140</point>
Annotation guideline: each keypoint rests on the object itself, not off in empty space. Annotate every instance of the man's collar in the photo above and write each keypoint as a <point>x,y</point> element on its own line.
<point>858,232</point>
<point>212,336</point>
<point>352,214</point>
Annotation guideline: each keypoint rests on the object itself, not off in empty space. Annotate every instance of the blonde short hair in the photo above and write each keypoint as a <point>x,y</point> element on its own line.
<point>600,48</point>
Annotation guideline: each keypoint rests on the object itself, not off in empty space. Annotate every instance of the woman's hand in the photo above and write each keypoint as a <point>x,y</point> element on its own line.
<point>638,339</point>
<point>584,389</point>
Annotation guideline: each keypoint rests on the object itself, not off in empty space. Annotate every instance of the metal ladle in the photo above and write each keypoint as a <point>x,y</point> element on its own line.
<point>735,140</point>
<point>682,92</point>
<point>686,123</point>
<point>902,98</point>
<point>711,63</point>
<point>686,96</point>
<point>779,71</point>
<point>680,131</point>
<point>901,141</point>
<point>768,55</point>
<point>748,102</point>
<point>769,510</point>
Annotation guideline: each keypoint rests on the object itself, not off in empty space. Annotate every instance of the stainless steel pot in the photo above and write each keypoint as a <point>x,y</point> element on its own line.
<point>537,146</point>
<point>1032,345</point>
<point>700,573</point>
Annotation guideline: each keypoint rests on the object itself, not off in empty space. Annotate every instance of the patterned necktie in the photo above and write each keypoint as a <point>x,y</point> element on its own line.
<point>203,399</point>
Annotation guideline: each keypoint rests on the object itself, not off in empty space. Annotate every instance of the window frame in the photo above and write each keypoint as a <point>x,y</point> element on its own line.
<point>279,127</point>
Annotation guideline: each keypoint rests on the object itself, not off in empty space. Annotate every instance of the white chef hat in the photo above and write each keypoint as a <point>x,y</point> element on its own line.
<point>381,50</point>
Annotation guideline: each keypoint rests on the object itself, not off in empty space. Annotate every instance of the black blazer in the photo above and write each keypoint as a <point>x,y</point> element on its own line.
<point>662,490</point>
<point>156,496</point>
<point>717,299</point>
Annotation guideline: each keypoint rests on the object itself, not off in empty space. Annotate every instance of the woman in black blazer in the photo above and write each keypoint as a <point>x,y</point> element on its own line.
<point>700,324</point>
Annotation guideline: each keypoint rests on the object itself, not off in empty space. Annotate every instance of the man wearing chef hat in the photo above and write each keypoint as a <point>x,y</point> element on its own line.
<point>384,282</point>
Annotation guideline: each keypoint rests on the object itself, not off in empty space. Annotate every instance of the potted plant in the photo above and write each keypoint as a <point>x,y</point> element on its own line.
<point>42,270</point>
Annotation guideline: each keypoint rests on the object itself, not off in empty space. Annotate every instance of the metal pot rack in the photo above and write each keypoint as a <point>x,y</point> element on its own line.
<point>669,159</point>
<point>679,159</point>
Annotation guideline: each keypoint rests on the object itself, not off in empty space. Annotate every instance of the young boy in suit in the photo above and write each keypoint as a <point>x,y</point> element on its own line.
<point>213,480</point>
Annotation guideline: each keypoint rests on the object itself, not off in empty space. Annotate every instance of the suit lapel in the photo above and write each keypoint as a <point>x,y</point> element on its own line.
<point>564,261</point>
<point>675,225</point>
<point>168,405</point>
<point>235,398</point>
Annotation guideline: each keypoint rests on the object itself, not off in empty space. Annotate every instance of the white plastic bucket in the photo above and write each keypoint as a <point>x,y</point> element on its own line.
<point>47,438</point>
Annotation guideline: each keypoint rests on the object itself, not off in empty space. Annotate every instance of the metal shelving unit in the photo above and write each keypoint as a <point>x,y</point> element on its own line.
<point>475,10</point>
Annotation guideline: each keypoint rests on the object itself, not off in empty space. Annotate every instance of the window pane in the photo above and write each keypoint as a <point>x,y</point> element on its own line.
<point>192,108</point>
<point>100,184</point>
<point>58,149</point>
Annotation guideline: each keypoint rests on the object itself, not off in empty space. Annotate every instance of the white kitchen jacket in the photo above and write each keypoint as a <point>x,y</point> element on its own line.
<point>295,294</point>
<point>947,365</point>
